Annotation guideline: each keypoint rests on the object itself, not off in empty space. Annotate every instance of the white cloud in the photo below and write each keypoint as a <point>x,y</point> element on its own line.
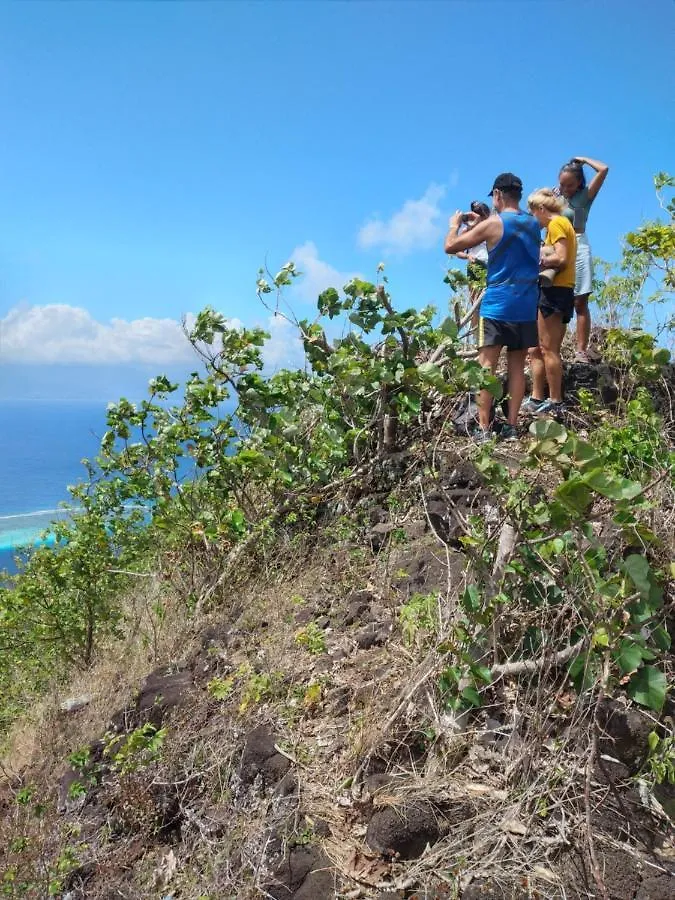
<point>417,225</point>
<point>58,333</point>
<point>284,348</point>
<point>317,274</point>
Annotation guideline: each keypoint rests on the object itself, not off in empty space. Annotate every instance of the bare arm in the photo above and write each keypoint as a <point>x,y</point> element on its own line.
<point>488,230</point>
<point>556,258</point>
<point>601,170</point>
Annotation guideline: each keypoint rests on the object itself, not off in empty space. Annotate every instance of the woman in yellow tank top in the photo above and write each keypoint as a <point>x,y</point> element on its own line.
<point>556,303</point>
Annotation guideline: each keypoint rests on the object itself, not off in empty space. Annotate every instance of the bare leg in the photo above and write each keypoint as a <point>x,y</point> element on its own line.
<point>516,368</point>
<point>475,293</point>
<point>551,333</point>
<point>488,358</point>
<point>583,322</point>
<point>538,373</point>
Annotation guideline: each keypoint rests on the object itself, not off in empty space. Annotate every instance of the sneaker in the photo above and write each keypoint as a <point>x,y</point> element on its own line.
<point>482,436</point>
<point>508,433</point>
<point>530,405</point>
<point>551,408</point>
<point>582,356</point>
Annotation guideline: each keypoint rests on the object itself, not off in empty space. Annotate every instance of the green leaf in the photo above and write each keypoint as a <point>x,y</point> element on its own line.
<point>612,486</point>
<point>449,327</point>
<point>432,374</point>
<point>629,656</point>
<point>547,429</point>
<point>575,495</point>
<point>648,688</point>
<point>580,451</point>
<point>661,638</point>
<point>482,673</point>
<point>653,741</point>
<point>471,695</point>
<point>471,599</point>
<point>637,569</point>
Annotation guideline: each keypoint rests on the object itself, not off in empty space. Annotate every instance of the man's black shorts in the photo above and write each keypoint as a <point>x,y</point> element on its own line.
<point>557,300</point>
<point>512,335</point>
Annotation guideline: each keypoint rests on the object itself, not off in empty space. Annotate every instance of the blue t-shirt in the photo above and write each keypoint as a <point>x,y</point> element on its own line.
<point>512,291</point>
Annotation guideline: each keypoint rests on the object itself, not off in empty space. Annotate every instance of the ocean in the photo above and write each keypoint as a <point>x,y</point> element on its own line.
<point>42,444</point>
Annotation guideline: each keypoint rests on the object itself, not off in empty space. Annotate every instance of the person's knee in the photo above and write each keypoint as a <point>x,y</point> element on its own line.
<point>581,303</point>
<point>550,352</point>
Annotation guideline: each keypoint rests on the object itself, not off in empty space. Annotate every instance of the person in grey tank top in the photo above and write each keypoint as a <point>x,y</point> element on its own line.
<point>580,196</point>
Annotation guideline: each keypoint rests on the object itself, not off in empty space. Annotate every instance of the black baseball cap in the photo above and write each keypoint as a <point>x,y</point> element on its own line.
<point>507,181</point>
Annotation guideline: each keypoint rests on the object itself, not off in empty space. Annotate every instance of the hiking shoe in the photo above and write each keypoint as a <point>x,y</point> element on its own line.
<point>530,405</point>
<point>551,408</point>
<point>482,436</point>
<point>581,356</point>
<point>508,433</point>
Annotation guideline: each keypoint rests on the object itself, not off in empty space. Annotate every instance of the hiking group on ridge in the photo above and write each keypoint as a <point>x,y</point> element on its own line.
<point>532,289</point>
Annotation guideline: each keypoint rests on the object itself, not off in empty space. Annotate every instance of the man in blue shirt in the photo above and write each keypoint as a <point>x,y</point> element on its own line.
<point>508,311</point>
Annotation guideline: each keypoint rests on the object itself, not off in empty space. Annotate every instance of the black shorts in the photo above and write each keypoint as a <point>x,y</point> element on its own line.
<point>557,300</point>
<point>512,335</point>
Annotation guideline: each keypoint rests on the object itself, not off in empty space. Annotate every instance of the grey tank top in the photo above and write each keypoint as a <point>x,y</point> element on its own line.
<point>577,210</point>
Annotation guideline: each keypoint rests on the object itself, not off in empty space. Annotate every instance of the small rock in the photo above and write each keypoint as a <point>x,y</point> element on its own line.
<point>72,704</point>
<point>358,607</point>
<point>326,662</point>
<point>403,831</point>
<point>378,535</point>
<point>375,634</point>
<point>215,636</point>
<point>415,529</point>
<point>377,515</point>
<point>306,874</point>
<point>624,733</point>
<point>321,828</point>
<point>260,757</point>
<point>216,820</point>
<point>377,782</point>
<point>287,786</point>
<point>162,690</point>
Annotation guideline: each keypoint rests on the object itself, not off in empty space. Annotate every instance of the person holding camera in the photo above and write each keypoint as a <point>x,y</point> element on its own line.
<point>580,196</point>
<point>477,257</point>
<point>508,314</point>
<point>556,302</point>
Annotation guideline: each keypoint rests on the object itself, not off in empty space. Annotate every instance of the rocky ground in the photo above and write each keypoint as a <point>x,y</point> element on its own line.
<point>291,745</point>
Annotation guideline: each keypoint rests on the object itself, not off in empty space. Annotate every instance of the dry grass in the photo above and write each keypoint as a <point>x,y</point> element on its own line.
<point>516,797</point>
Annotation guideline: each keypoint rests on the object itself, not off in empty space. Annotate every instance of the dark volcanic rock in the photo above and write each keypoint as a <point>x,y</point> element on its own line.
<point>306,874</point>
<point>424,569</point>
<point>260,758</point>
<point>403,830</point>
<point>358,608</point>
<point>374,635</point>
<point>624,733</point>
<point>378,535</point>
<point>162,690</point>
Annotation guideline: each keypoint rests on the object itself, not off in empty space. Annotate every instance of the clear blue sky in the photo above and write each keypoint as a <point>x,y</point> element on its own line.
<point>154,154</point>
